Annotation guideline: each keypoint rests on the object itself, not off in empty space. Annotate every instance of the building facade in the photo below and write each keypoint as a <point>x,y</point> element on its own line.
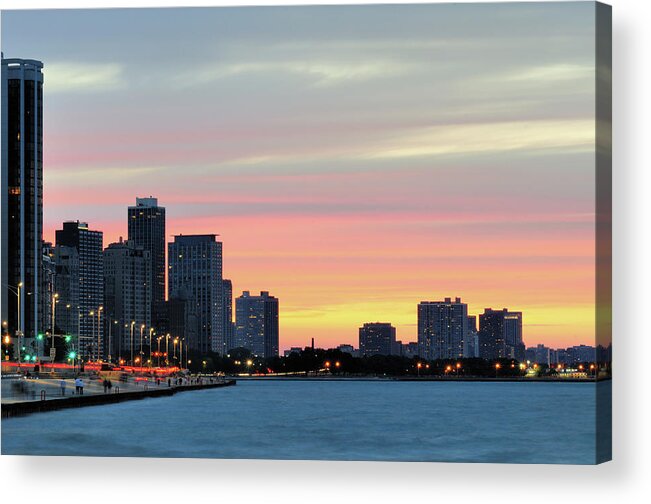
<point>229,324</point>
<point>442,328</point>
<point>195,268</point>
<point>146,229</point>
<point>176,318</point>
<point>22,198</point>
<point>256,323</point>
<point>471,341</point>
<point>377,338</point>
<point>90,284</point>
<point>66,285</point>
<point>128,291</point>
<point>500,335</point>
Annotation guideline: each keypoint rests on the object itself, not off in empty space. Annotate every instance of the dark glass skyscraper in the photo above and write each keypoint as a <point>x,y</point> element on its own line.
<point>88,245</point>
<point>22,195</point>
<point>256,323</point>
<point>146,223</point>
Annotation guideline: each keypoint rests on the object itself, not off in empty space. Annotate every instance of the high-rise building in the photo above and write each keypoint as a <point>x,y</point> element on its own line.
<point>515,348</point>
<point>66,285</point>
<point>195,267</point>
<point>377,338</point>
<point>48,289</point>
<point>229,324</point>
<point>127,299</point>
<point>88,245</point>
<point>471,341</point>
<point>256,323</point>
<point>22,197</point>
<point>146,223</point>
<point>500,334</point>
<point>442,327</point>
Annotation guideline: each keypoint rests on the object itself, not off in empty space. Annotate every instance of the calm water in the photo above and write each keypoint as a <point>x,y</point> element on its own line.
<point>350,420</point>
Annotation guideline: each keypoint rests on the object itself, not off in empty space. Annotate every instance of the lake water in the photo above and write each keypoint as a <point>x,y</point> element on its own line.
<point>330,420</point>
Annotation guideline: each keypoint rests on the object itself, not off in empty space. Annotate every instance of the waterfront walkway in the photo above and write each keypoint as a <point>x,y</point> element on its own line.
<point>22,396</point>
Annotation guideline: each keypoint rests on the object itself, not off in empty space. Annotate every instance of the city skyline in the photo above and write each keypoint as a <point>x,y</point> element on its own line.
<point>317,195</point>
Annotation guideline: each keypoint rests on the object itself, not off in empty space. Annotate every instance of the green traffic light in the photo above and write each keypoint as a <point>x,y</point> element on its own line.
<point>72,355</point>
<point>68,339</point>
<point>39,336</point>
<point>33,358</point>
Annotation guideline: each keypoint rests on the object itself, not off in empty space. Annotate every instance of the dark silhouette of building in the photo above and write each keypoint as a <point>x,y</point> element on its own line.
<point>256,323</point>
<point>195,268</point>
<point>146,223</point>
<point>177,318</point>
<point>377,338</point>
<point>22,197</point>
<point>90,283</point>
<point>442,328</point>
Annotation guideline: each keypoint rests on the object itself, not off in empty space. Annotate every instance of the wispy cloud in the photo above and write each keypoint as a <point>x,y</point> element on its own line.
<point>321,73</point>
<point>71,77</point>
<point>574,135</point>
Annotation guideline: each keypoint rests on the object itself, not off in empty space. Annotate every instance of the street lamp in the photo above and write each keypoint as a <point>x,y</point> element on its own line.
<point>151,332</point>
<point>99,314</point>
<point>418,366</point>
<point>133,323</point>
<point>19,329</point>
<point>167,348</point>
<point>142,328</point>
<point>55,300</point>
<point>158,339</point>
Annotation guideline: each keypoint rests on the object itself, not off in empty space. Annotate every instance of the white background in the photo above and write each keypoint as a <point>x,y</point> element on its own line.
<point>72,479</point>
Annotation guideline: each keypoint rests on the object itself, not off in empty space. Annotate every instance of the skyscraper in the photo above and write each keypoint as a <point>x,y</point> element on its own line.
<point>127,298</point>
<point>66,285</point>
<point>229,325</point>
<point>90,285</point>
<point>442,327</point>
<point>377,338</point>
<point>195,267</point>
<point>500,334</point>
<point>256,323</point>
<point>22,196</point>
<point>146,223</point>
<point>471,341</point>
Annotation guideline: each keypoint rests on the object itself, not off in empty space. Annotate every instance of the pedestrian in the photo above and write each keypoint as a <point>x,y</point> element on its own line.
<point>169,382</point>
<point>62,384</point>
<point>77,386</point>
<point>105,384</point>
<point>158,382</point>
<point>109,385</point>
<point>81,386</point>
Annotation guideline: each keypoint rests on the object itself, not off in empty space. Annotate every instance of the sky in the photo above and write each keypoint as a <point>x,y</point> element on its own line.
<point>353,160</point>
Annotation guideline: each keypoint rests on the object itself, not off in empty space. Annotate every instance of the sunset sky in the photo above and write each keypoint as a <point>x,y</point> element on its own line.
<point>354,160</point>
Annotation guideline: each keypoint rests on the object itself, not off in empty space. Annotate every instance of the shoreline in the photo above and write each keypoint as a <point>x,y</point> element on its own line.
<point>23,408</point>
<point>422,379</point>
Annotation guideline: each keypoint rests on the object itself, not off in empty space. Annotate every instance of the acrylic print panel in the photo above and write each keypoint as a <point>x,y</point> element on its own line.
<point>342,233</point>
